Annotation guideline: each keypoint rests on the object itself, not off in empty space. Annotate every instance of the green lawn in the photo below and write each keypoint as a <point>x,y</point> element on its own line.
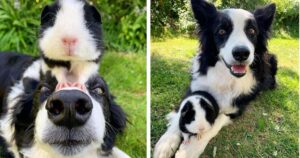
<point>126,77</point>
<point>269,128</point>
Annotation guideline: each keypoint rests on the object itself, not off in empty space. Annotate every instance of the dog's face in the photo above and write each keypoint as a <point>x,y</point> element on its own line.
<point>72,119</point>
<point>71,30</point>
<point>233,32</point>
<point>196,114</point>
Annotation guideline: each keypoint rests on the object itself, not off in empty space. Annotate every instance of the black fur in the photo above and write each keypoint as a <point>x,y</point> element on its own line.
<point>186,117</point>
<point>12,66</point>
<point>3,147</point>
<point>264,65</point>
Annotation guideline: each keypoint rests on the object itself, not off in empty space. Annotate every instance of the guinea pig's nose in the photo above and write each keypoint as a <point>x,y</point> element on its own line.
<point>69,41</point>
<point>69,108</point>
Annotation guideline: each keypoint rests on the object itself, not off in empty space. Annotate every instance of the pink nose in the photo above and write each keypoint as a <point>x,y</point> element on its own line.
<point>69,41</point>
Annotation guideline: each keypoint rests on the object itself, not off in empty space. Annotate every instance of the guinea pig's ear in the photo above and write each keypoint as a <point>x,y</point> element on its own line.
<point>96,15</point>
<point>264,16</point>
<point>186,108</point>
<point>206,106</point>
<point>45,14</point>
<point>203,11</point>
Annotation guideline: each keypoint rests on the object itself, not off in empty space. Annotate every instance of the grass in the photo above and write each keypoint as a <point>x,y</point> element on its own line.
<point>126,77</point>
<point>269,127</point>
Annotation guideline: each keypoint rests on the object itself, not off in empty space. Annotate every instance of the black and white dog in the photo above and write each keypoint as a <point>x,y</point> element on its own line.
<point>39,120</point>
<point>71,40</point>
<point>233,65</point>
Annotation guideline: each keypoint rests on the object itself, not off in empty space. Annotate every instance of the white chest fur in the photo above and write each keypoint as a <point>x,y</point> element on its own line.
<point>221,84</point>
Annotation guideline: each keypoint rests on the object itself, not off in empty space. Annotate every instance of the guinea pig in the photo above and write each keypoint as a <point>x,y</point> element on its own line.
<point>198,112</point>
<point>70,40</point>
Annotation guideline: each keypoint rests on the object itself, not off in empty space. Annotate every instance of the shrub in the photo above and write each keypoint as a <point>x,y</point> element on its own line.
<point>124,24</point>
<point>19,25</point>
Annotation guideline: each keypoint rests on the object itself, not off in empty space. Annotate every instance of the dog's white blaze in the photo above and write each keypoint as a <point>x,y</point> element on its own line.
<point>96,123</point>
<point>222,84</point>
<point>238,36</point>
<point>69,22</point>
<point>33,71</point>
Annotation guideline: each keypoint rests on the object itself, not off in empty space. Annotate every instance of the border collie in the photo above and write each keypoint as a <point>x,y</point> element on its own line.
<point>71,40</point>
<point>39,120</point>
<point>233,65</point>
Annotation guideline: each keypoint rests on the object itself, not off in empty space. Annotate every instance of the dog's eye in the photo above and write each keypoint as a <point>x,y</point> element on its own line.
<point>221,32</point>
<point>251,31</point>
<point>98,91</point>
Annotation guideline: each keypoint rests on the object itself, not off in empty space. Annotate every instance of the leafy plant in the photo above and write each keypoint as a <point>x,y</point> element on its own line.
<point>124,24</point>
<point>19,25</point>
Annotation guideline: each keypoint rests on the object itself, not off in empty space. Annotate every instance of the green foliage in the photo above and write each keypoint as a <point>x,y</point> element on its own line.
<point>165,16</point>
<point>165,20</point>
<point>19,25</point>
<point>124,24</point>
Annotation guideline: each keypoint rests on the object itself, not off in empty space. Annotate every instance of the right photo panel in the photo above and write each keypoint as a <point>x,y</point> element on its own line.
<point>224,78</point>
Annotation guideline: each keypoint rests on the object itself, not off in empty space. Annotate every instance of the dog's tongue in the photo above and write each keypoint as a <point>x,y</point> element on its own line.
<point>240,69</point>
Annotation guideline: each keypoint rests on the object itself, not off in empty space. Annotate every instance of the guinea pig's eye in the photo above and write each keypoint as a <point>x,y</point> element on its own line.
<point>221,32</point>
<point>251,31</point>
<point>98,91</point>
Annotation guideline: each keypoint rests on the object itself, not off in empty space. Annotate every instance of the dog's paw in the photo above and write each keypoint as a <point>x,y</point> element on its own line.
<point>193,149</point>
<point>166,146</point>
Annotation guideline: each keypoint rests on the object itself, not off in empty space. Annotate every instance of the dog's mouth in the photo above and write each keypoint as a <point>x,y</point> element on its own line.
<point>237,70</point>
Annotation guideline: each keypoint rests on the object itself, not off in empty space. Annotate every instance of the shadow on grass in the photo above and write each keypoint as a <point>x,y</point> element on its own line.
<point>269,126</point>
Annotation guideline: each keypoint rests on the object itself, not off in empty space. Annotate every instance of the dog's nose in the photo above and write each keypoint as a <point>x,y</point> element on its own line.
<point>69,108</point>
<point>240,53</point>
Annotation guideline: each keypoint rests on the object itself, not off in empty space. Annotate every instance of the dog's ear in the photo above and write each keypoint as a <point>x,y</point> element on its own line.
<point>203,11</point>
<point>264,16</point>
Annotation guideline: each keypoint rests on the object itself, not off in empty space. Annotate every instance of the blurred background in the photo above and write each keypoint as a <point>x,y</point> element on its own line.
<point>175,17</point>
<point>123,65</point>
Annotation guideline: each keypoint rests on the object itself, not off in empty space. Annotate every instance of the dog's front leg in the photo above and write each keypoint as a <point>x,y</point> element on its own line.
<point>197,146</point>
<point>169,142</point>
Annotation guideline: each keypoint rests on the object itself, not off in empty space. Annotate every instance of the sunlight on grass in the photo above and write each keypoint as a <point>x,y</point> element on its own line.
<point>270,125</point>
<point>126,77</point>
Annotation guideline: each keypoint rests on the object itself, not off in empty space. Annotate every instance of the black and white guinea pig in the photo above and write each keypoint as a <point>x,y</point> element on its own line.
<point>198,112</point>
<point>70,40</point>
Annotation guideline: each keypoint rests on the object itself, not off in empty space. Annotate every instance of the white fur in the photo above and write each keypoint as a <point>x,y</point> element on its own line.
<point>168,143</point>
<point>200,121</point>
<point>238,36</point>
<point>221,84</point>
<point>196,146</point>
<point>33,71</point>
<point>95,125</point>
<point>69,23</point>
<point>80,71</point>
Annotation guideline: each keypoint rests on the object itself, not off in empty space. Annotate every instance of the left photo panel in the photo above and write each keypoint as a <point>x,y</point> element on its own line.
<point>73,79</point>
